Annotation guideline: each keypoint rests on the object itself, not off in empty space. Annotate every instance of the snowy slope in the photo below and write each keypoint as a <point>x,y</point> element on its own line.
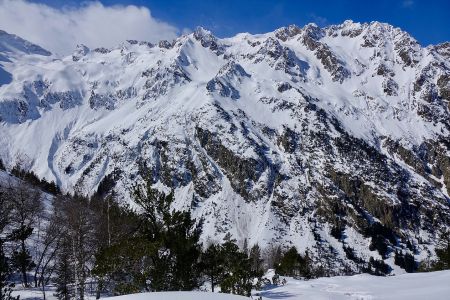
<point>418,286</point>
<point>36,294</point>
<point>180,295</point>
<point>305,136</point>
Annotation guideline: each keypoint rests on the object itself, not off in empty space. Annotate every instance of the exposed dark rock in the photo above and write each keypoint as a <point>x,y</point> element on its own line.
<point>443,49</point>
<point>285,33</point>
<point>102,50</point>
<point>384,71</point>
<point>80,51</point>
<point>207,39</point>
<point>284,86</point>
<point>311,36</point>
<point>160,80</point>
<point>165,44</point>
<point>332,64</point>
<point>97,101</point>
<point>289,140</point>
<point>443,83</point>
<point>243,173</point>
<point>390,87</point>
<point>231,73</point>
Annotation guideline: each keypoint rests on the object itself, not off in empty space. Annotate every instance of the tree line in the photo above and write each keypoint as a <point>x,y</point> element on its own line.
<point>104,246</point>
<point>98,243</point>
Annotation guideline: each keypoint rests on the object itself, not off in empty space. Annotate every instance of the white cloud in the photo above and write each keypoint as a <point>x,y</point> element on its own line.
<point>93,24</point>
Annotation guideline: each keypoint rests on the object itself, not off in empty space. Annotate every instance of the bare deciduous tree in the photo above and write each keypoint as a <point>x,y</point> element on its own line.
<point>27,209</point>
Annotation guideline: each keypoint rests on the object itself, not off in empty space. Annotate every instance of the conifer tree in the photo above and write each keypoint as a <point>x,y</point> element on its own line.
<point>124,266</point>
<point>213,264</point>
<point>406,261</point>
<point>289,264</point>
<point>293,264</point>
<point>238,276</point>
<point>256,262</point>
<point>175,235</point>
<point>443,253</point>
<point>121,253</point>
<point>377,267</point>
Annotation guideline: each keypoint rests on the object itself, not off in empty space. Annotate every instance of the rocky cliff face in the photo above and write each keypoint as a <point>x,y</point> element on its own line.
<point>329,139</point>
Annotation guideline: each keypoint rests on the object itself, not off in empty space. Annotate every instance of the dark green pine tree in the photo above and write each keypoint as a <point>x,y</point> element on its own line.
<point>443,253</point>
<point>238,276</point>
<point>406,261</point>
<point>124,266</point>
<point>377,267</point>
<point>294,264</point>
<point>121,259</point>
<point>213,264</point>
<point>306,266</point>
<point>256,262</point>
<point>5,285</point>
<point>289,264</point>
<point>182,240</point>
<point>175,235</point>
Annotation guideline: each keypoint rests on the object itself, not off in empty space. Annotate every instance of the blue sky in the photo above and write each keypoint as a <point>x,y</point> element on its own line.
<point>428,21</point>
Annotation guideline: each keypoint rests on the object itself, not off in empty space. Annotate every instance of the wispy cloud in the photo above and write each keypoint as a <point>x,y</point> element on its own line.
<point>321,21</point>
<point>61,29</point>
<point>408,3</point>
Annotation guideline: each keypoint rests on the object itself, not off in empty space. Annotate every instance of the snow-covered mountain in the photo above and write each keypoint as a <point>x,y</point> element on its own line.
<point>323,138</point>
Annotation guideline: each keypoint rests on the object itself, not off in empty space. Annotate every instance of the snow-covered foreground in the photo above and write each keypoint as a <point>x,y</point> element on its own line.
<point>34,294</point>
<point>434,285</point>
<point>180,296</point>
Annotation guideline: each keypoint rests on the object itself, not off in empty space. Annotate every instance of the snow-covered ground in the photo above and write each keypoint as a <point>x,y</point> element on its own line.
<point>180,296</point>
<point>433,286</point>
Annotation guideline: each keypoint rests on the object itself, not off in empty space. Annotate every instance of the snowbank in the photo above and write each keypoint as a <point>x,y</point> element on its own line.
<point>434,285</point>
<point>180,296</point>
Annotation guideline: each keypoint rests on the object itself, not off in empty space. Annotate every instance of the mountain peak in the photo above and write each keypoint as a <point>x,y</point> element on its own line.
<point>204,35</point>
<point>303,136</point>
<point>313,30</point>
<point>201,32</point>
<point>80,51</point>
<point>16,46</point>
<point>285,33</point>
<point>206,38</point>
